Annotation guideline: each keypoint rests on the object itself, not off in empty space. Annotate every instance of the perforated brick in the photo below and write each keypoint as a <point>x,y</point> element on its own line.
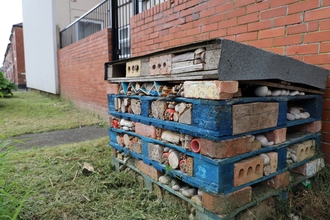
<point>248,170</point>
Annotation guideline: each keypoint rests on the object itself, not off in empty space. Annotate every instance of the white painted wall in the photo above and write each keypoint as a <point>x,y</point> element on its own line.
<point>40,45</point>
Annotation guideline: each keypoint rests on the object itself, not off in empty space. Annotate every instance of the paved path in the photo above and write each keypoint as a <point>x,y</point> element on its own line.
<point>55,138</point>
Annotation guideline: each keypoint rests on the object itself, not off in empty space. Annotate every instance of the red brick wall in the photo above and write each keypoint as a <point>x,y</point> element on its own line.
<point>18,47</point>
<point>295,28</point>
<point>81,72</point>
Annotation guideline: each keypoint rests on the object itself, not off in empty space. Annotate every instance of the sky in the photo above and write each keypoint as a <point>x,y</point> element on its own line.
<point>10,14</point>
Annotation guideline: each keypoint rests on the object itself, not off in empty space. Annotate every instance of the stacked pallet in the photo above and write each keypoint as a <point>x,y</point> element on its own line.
<point>204,142</point>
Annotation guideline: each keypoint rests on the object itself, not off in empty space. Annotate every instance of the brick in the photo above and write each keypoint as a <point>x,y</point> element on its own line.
<point>256,145</point>
<point>282,2</point>
<point>248,18</point>
<point>254,116</point>
<point>112,88</point>
<point>240,3</point>
<point>302,49</point>
<point>279,181</point>
<point>235,13</point>
<point>262,43</point>
<point>257,7</point>
<point>325,25</point>
<point>325,126</point>
<point>303,28</point>
<point>325,47</point>
<point>248,170</point>
<point>303,149</point>
<point>288,40</point>
<point>209,27</point>
<point>326,148</point>
<point>262,210</point>
<point>302,6</point>
<point>326,104</point>
<point>247,36</point>
<point>327,158</point>
<point>221,204</point>
<point>325,2</point>
<point>149,170</point>
<point>273,162</point>
<point>274,32</point>
<point>157,67</point>
<point>317,14</point>
<point>225,148</point>
<point>210,89</point>
<point>237,30</point>
<point>259,25</point>
<point>326,115</point>
<point>145,130</point>
<point>325,137</point>
<point>313,127</point>
<point>225,7</point>
<point>317,59</point>
<point>287,20</point>
<point>207,13</point>
<point>227,23</point>
<point>272,13</point>
<point>310,168</point>
<point>277,136</point>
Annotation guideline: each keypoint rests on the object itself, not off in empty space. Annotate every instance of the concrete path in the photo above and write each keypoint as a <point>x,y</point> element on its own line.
<point>55,138</point>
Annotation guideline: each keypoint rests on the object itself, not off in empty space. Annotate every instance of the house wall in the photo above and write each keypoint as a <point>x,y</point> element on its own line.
<point>18,55</point>
<point>295,28</point>
<point>81,72</point>
<point>9,64</point>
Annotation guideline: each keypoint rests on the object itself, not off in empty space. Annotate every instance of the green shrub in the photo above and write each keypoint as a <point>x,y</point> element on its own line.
<point>6,87</point>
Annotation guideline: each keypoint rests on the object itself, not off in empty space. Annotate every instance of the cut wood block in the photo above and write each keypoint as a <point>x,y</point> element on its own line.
<point>185,68</point>
<point>226,148</point>
<point>303,150</point>
<point>133,68</point>
<point>136,106</point>
<point>183,57</point>
<point>149,170</point>
<point>160,65</point>
<point>311,168</point>
<point>248,170</point>
<point>213,89</point>
<point>186,116</point>
<point>155,152</point>
<point>182,64</point>
<point>158,109</point>
<point>171,136</point>
<point>279,181</point>
<point>254,116</point>
<point>222,204</point>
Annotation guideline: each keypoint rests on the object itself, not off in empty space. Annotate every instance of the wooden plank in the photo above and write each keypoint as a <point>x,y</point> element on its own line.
<point>191,68</point>
<point>283,86</point>
<point>182,64</point>
<point>183,57</point>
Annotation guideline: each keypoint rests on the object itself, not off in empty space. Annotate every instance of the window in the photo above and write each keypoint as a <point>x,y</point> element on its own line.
<point>124,42</point>
<point>86,27</point>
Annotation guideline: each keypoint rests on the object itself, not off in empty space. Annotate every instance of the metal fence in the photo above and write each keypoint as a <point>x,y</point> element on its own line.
<point>91,22</point>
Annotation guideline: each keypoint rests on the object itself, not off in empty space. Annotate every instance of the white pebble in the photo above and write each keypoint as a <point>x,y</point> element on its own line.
<point>294,93</point>
<point>261,91</point>
<point>276,92</point>
<point>262,139</point>
<point>176,187</point>
<point>266,158</point>
<point>290,116</point>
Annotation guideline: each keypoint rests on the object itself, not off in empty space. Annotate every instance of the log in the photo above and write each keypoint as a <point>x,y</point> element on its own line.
<point>171,136</point>
<point>127,140</point>
<point>136,106</point>
<point>174,159</point>
<point>185,117</point>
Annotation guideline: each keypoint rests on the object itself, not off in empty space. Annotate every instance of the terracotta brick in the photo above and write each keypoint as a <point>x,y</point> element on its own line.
<point>262,43</point>
<point>317,59</point>
<point>149,170</point>
<point>317,14</point>
<point>274,32</point>
<point>260,25</point>
<point>279,181</point>
<point>317,37</point>
<point>310,168</point>
<point>240,3</point>
<point>221,204</point>
<point>227,23</point>
<point>282,2</point>
<point>326,148</point>
<point>248,18</point>
<point>312,127</point>
<point>326,104</point>
<point>224,7</point>
<point>235,13</point>
<point>237,30</point>
<point>326,137</point>
<point>262,210</point>
<point>287,20</point>
<point>225,148</point>
<point>145,130</point>
<point>288,40</point>
<point>302,49</point>
<point>210,89</point>
<point>272,13</point>
<point>325,47</point>
<point>257,7</point>
<point>325,2</point>
<point>302,6</point>
<point>247,36</point>
<point>277,136</point>
<point>248,170</point>
<point>326,115</point>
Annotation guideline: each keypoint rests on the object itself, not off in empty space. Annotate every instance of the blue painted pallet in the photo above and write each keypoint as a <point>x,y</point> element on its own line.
<point>259,194</point>
<point>213,119</point>
<point>215,175</point>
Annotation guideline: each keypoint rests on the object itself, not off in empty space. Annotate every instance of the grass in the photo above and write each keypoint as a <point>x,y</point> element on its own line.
<point>31,112</point>
<point>57,188</point>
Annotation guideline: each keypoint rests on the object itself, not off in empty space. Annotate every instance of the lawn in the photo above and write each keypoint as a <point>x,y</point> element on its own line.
<point>57,189</point>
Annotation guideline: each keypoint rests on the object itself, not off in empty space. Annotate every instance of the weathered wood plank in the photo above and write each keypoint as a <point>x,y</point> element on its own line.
<point>183,57</point>
<point>191,68</point>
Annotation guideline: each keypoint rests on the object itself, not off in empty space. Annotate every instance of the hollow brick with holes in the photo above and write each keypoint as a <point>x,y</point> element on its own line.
<point>303,150</point>
<point>248,170</point>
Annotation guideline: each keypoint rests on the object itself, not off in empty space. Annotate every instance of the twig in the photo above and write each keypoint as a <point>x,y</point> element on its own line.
<point>51,183</point>
<point>86,198</point>
<point>75,176</point>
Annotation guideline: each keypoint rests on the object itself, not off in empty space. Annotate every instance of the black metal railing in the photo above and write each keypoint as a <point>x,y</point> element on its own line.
<point>122,11</point>
<point>91,22</point>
